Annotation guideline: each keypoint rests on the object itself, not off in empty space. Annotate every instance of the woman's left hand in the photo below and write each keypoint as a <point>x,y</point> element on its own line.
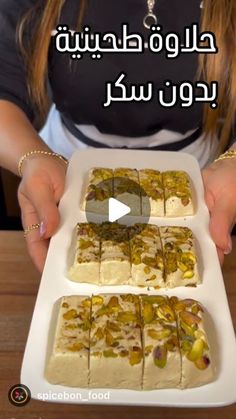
<point>220,194</point>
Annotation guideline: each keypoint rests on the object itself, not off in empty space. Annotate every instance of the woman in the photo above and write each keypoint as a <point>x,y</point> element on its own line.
<point>78,120</point>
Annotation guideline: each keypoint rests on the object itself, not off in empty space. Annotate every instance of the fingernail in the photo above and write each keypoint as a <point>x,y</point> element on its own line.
<point>229,248</point>
<point>42,229</point>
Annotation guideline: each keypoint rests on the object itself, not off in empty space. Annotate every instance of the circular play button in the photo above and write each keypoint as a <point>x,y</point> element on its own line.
<point>118,199</point>
<point>117,210</point>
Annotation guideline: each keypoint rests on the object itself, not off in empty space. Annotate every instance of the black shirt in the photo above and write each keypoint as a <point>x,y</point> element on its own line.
<point>78,90</point>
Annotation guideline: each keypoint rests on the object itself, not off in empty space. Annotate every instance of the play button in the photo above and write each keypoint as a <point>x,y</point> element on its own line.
<point>116,210</point>
<point>116,200</point>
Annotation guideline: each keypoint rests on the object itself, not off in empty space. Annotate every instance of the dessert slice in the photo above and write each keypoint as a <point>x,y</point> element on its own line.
<point>115,254</point>
<point>162,360</point>
<point>180,257</point>
<point>85,254</point>
<point>98,190</point>
<point>116,359</point>
<point>147,267</point>
<point>153,197</point>
<point>197,368</point>
<point>178,195</point>
<point>127,189</point>
<point>68,362</point>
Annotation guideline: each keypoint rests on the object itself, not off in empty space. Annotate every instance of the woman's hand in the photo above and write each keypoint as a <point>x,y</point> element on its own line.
<point>220,195</point>
<point>39,192</point>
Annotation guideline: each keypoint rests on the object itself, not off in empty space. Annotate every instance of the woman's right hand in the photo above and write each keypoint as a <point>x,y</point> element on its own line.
<point>40,190</point>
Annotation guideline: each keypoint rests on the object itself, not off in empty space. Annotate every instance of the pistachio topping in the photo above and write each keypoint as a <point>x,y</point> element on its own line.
<point>176,183</point>
<point>193,341</point>
<point>124,353</point>
<point>135,355</point>
<point>77,346</point>
<point>159,334</point>
<point>148,312</point>
<point>160,356</point>
<point>97,300</point>
<point>71,314</point>
<point>196,351</point>
<point>140,334</point>
<point>189,318</point>
<point>203,362</point>
<point>109,353</point>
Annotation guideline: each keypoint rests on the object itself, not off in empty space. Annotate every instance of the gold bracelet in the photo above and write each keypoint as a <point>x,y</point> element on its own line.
<point>42,152</point>
<point>227,155</point>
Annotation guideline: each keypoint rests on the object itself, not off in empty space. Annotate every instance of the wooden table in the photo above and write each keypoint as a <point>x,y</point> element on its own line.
<point>18,288</point>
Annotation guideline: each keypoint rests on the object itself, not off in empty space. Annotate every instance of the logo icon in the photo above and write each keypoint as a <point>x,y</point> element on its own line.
<point>19,395</point>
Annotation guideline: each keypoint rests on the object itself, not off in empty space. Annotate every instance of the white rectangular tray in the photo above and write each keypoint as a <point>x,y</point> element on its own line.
<point>54,284</point>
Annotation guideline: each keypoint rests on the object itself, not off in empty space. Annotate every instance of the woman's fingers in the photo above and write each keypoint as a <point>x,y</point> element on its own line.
<point>220,255</point>
<point>37,246</point>
<point>38,206</point>
<point>220,197</point>
<point>44,202</point>
<point>221,224</point>
<point>39,192</point>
